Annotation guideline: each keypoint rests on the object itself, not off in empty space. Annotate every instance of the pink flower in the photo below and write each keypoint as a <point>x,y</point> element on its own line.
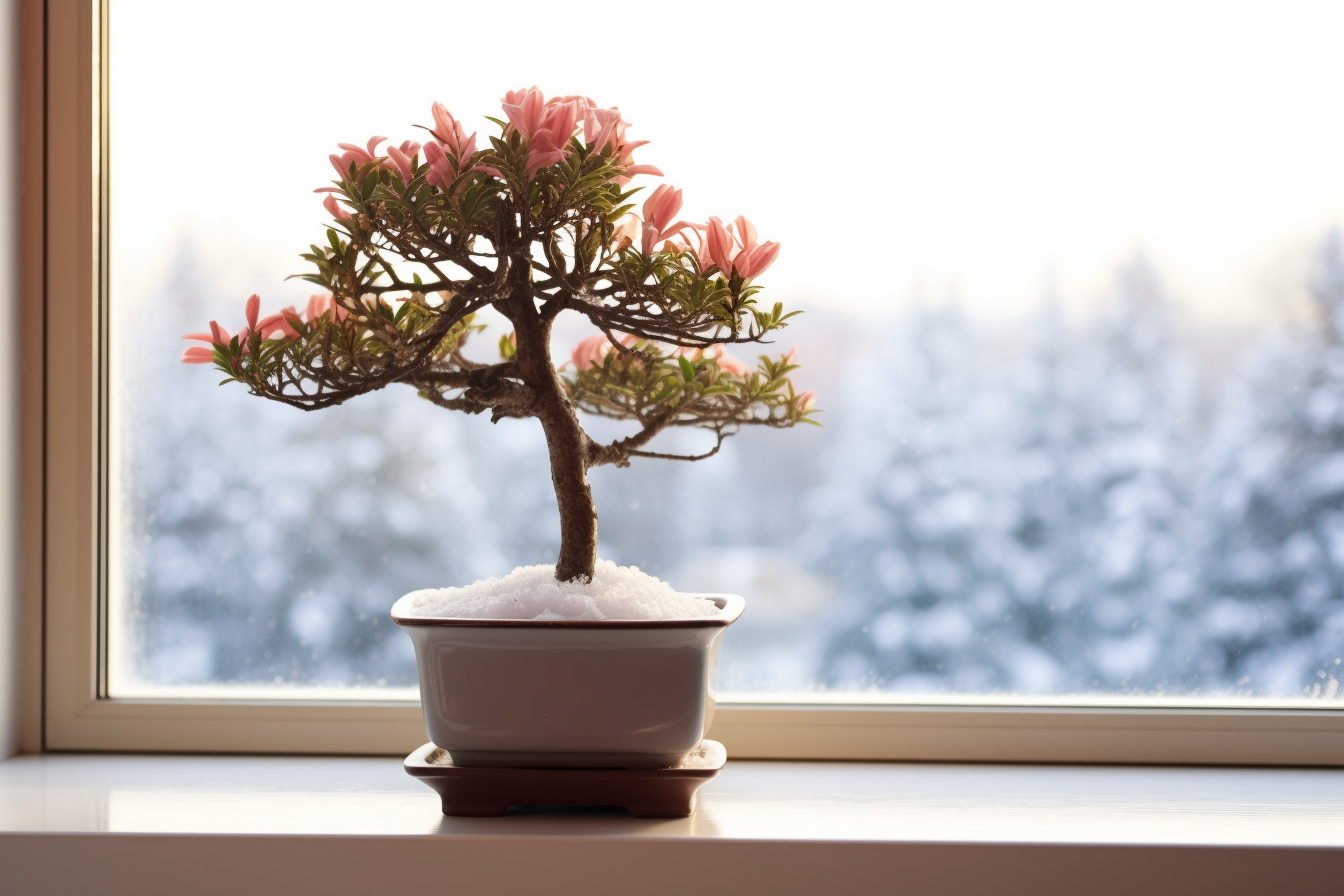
<point>286,323</point>
<point>659,209</point>
<point>547,125</point>
<point>662,205</point>
<point>354,155</point>
<point>738,253</point>
<point>605,128</point>
<point>805,401</point>
<point>334,209</point>
<point>450,133</point>
<point>629,173</point>
<point>404,158</point>
<point>525,109</point>
<point>217,337</point>
<point>590,352</point>
<point>701,247</point>
<point>444,169</point>
<point>727,362</point>
<point>753,259</point>
<point>719,245</point>
<point>199,354</point>
<point>602,126</point>
<point>543,152</point>
<point>449,156</point>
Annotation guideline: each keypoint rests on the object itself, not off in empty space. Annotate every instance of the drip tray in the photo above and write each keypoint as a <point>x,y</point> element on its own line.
<point>644,792</point>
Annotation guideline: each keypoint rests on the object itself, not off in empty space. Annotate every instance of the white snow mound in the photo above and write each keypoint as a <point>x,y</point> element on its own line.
<point>532,592</point>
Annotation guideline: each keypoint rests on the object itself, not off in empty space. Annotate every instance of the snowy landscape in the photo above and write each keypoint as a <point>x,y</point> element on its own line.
<point>1127,502</point>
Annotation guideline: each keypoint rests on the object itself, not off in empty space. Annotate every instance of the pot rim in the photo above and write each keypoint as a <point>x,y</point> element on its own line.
<point>730,608</point>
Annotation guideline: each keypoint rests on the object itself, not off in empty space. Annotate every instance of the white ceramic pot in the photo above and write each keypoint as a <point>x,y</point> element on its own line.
<point>511,692</point>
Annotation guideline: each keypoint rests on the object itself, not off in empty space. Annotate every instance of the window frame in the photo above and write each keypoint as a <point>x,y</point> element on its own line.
<point>64,262</point>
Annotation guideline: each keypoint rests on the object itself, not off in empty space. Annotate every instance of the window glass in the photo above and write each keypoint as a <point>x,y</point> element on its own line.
<point>1074,312</point>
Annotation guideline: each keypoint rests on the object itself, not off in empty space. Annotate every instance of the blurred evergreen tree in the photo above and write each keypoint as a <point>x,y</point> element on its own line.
<point>265,545</point>
<point>1274,557</point>
<point>1102,472</point>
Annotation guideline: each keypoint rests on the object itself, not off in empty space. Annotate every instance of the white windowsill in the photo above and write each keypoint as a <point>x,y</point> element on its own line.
<point>144,824</point>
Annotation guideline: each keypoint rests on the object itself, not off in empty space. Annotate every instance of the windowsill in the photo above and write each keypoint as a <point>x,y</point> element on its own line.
<point>78,822</point>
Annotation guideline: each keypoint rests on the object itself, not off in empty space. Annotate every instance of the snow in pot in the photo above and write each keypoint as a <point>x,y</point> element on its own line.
<point>532,592</point>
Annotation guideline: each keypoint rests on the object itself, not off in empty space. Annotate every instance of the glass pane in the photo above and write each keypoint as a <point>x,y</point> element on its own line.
<point>1074,311</point>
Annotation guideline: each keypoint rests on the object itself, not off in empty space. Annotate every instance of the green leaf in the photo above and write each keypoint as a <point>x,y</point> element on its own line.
<point>687,369</point>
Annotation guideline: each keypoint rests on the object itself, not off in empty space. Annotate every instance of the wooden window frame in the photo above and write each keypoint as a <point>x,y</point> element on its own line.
<point>65,707</point>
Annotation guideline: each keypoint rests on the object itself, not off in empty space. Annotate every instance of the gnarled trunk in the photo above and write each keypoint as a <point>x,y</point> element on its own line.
<point>566,441</point>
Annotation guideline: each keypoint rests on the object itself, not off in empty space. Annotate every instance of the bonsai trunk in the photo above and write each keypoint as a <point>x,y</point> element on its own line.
<point>566,441</point>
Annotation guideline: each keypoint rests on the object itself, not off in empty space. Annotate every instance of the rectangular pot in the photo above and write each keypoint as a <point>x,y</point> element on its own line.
<point>609,693</point>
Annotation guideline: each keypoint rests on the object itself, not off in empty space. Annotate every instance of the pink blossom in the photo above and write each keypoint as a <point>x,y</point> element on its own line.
<point>199,354</point>
<point>629,173</point>
<point>719,244</point>
<point>752,264</point>
<point>738,253</point>
<point>218,336</point>
<point>590,352</point>
<point>659,210</point>
<point>449,156</point>
<point>662,205</point>
<point>404,158</point>
<point>444,169</point>
<point>806,400</point>
<point>543,152</point>
<point>600,127</point>
<point>285,323</point>
<point>450,133</point>
<point>525,109</point>
<point>700,248</point>
<point>753,259</point>
<point>356,155</point>
<point>546,125</point>
<point>334,209</point>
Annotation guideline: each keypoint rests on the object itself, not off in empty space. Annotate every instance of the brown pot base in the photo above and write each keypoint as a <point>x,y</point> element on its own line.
<point>645,792</point>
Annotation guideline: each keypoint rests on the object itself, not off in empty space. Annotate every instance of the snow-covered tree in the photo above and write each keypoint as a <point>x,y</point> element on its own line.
<point>912,523</point>
<point>1101,489</point>
<point>1014,524</point>
<point>1274,564</point>
<point>263,546</point>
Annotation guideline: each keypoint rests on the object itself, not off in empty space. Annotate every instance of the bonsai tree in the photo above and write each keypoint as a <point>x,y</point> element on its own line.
<point>539,222</point>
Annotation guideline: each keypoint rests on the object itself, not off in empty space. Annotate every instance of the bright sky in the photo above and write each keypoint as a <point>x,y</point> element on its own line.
<point>988,150</point>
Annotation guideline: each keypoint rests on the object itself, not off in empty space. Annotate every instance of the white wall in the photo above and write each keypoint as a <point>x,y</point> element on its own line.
<point>10,592</point>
